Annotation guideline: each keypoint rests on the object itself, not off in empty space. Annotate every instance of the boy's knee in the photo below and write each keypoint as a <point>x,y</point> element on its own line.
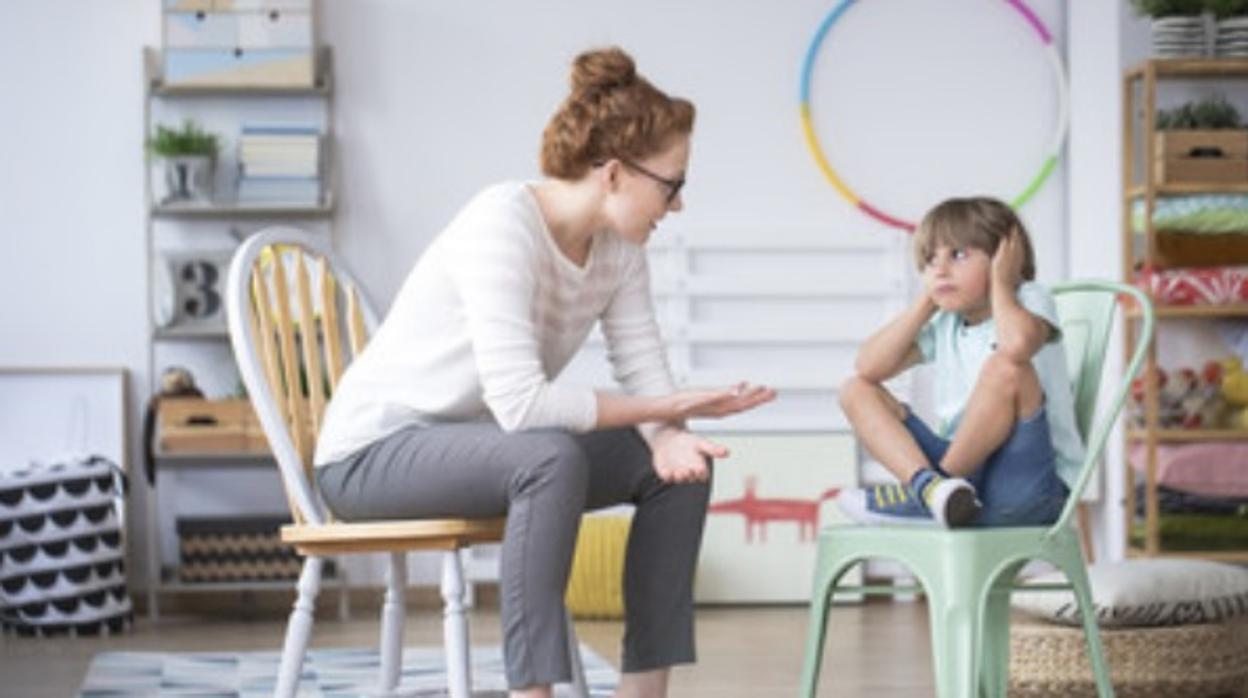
<point>853,390</point>
<point>856,390</point>
<point>1005,374</point>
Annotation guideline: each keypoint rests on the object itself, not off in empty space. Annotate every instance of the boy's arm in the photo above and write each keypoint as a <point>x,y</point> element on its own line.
<point>1020,334</point>
<point>893,348</point>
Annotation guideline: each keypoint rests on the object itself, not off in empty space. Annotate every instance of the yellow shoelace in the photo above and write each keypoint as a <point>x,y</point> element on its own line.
<point>887,495</point>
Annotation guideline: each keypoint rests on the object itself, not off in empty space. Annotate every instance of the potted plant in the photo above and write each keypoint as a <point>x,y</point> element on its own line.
<point>189,154</point>
<point>1201,142</point>
<point>1178,26</point>
<point>1231,33</point>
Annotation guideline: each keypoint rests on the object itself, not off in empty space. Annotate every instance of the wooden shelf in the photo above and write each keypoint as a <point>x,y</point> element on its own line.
<point>1222,555</point>
<point>1191,68</point>
<point>1140,190</point>
<point>322,87</point>
<point>1195,311</point>
<point>1190,435</point>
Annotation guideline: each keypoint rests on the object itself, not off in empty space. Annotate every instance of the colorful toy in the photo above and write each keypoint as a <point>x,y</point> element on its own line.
<point>1235,392</point>
<point>812,140</point>
<point>1187,399</point>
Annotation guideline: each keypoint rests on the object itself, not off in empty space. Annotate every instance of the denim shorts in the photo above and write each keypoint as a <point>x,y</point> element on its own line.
<point>1018,484</point>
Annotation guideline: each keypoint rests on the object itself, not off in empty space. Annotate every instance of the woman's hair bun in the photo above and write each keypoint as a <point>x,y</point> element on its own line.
<point>602,70</point>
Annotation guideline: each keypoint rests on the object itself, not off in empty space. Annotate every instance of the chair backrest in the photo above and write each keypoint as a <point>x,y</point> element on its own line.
<point>293,332</point>
<point>1085,311</point>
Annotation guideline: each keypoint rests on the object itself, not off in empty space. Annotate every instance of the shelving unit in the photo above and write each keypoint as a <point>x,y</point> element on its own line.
<point>1140,184</point>
<point>212,228</point>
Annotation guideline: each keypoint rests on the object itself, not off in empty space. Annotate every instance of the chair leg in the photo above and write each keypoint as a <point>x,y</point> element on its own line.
<point>455,627</point>
<point>1077,574</point>
<point>994,657</point>
<point>820,600</point>
<point>955,638</point>
<point>393,612</point>
<point>298,629</point>
<point>580,687</point>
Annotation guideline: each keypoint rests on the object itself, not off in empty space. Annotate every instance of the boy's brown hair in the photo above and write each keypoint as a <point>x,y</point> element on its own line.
<point>611,112</point>
<point>980,222</point>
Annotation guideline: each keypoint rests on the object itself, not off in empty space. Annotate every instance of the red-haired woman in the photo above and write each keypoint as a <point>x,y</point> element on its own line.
<point>452,409</point>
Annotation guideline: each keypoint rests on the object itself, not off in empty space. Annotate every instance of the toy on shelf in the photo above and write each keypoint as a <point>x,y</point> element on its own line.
<point>1235,392</point>
<point>1187,399</point>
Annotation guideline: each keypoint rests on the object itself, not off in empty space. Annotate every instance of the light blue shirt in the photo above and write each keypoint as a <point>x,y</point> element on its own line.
<point>958,352</point>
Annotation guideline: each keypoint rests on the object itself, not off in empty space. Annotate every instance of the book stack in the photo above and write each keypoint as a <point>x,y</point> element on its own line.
<point>279,165</point>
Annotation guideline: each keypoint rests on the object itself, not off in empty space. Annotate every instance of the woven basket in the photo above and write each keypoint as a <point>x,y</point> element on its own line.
<point>595,586</point>
<point>1205,660</point>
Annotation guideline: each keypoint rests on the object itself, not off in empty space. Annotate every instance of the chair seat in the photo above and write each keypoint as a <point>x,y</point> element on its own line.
<point>385,536</point>
<point>990,541</point>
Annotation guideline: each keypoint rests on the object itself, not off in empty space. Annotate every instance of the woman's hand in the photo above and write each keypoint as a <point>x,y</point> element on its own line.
<point>715,402</point>
<point>680,456</point>
<point>1007,261</point>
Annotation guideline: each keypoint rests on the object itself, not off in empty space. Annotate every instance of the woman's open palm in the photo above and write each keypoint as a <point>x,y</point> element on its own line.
<point>719,402</point>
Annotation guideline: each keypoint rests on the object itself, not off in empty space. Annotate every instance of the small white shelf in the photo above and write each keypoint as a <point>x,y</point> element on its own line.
<point>191,333</point>
<point>324,209</point>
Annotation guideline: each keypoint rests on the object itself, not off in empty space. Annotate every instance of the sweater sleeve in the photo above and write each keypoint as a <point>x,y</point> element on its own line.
<point>634,345</point>
<point>494,267</point>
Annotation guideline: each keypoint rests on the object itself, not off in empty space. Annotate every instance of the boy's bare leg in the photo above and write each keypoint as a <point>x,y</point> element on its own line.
<point>877,420</point>
<point>1005,393</point>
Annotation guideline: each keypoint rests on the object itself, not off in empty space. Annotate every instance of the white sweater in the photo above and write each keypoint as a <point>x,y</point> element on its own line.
<point>489,316</point>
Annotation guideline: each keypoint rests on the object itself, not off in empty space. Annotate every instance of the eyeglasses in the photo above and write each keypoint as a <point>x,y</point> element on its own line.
<point>673,185</point>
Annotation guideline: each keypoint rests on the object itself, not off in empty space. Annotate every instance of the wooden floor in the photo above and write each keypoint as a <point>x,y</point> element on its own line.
<point>878,649</point>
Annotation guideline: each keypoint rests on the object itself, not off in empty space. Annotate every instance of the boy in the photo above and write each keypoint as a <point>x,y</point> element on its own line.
<point>1008,445</point>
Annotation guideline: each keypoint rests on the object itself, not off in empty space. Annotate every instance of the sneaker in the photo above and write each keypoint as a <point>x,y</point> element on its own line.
<point>951,501</point>
<point>884,504</point>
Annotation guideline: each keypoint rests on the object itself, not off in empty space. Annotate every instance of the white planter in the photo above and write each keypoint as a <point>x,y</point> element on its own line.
<point>1231,38</point>
<point>1180,37</point>
<point>183,178</point>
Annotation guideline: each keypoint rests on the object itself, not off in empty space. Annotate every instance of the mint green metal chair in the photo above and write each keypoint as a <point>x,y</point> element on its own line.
<point>968,574</point>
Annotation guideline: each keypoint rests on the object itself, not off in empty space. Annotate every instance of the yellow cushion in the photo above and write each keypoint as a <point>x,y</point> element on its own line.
<point>595,588</point>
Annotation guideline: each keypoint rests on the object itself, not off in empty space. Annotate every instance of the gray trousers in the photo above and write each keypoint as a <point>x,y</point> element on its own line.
<point>542,480</point>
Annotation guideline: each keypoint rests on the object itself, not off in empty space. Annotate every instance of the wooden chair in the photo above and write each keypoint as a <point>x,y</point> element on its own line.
<point>289,304</point>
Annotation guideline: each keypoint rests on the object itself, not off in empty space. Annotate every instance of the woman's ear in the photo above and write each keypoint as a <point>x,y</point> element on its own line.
<point>609,174</point>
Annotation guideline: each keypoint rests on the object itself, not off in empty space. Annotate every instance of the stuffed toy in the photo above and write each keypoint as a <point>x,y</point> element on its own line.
<point>1235,393</point>
<point>1187,399</point>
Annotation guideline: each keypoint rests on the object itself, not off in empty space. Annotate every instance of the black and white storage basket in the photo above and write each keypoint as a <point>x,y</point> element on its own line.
<point>62,567</point>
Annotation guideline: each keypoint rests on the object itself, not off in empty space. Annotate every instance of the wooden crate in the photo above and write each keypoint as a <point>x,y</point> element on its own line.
<point>193,425</point>
<point>1200,157</point>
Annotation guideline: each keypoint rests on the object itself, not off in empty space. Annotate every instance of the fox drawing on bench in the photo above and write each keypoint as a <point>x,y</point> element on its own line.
<point>760,512</point>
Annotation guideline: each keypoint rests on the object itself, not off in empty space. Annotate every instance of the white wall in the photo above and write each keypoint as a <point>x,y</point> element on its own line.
<point>71,205</point>
<point>915,101</point>
<point>435,100</point>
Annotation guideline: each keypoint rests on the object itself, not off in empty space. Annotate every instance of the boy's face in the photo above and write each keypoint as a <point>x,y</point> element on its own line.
<point>957,279</point>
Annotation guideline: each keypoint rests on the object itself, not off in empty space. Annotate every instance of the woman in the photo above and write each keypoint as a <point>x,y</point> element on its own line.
<point>451,410</point>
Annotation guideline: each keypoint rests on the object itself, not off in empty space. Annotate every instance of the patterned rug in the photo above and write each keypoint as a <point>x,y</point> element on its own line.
<point>327,673</point>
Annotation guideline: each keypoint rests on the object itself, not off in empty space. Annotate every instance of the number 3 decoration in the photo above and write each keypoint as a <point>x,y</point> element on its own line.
<point>1037,180</point>
<point>193,294</point>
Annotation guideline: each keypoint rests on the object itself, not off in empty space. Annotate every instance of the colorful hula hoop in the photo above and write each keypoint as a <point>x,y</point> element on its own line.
<point>1046,168</point>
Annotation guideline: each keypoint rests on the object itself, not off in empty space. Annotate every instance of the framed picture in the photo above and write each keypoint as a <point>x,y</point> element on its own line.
<point>190,289</point>
<point>768,501</point>
<point>50,413</point>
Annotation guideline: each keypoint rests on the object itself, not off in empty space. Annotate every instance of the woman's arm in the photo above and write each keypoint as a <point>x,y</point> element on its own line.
<point>494,265</point>
<point>638,360</point>
<point>894,347</point>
